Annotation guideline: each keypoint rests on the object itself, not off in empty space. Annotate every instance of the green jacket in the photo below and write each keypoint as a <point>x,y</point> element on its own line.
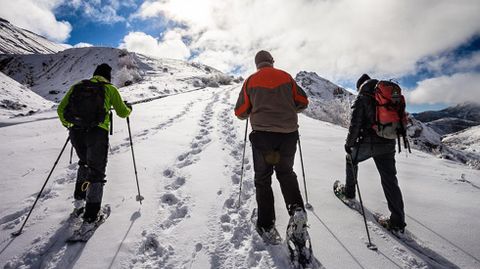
<point>112,98</point>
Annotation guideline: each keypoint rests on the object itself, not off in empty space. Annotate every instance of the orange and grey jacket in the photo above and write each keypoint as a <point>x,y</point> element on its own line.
<point>272,99</point>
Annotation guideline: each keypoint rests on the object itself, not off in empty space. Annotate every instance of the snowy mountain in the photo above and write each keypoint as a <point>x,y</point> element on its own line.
<point>328,101</point>
<point>449,125</point>
<point>51,75</point>
<point>451,119</point>
<point>15,40</point>
<point>188,149</point>
<point>466,111</point>
<point>18,100</point>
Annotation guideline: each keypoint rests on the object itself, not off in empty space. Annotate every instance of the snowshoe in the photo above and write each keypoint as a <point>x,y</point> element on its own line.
<point>270,236</point>
<point>339,190</point>
<point>87,229</point>
<point>298,240</point>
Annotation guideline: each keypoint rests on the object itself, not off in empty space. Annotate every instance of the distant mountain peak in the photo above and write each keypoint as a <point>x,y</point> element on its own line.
<point>328,101</point>
<point>15,40</point>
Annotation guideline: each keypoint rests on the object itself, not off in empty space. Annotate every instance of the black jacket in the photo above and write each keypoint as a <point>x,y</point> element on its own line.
<point>363,118</point>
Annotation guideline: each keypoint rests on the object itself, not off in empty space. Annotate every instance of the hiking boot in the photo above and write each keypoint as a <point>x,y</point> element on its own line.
<point>299,218</point>
<point>341,192</point>
<point>389,225</point>
<point>90,219</point>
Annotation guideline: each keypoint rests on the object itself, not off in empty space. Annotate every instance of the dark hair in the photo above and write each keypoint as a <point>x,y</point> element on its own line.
<point>361,80</point>
<point>103,70</point>
<point>263,58</point>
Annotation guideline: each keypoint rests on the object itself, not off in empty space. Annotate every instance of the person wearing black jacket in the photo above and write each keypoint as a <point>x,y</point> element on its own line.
<point>363,143</point>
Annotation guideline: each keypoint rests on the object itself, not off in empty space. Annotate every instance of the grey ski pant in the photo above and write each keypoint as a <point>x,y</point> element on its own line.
<point>91,146</point>
<point>274,151</point>
<point>384,157</point>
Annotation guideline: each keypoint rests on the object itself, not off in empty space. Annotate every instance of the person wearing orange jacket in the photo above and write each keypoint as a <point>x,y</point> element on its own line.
<point>272,99</point>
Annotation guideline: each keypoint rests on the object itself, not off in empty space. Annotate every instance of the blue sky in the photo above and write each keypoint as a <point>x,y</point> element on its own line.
<point>431,47</point>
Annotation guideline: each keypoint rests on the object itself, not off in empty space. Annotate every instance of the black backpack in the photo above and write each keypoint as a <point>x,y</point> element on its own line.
<point>86,104</point>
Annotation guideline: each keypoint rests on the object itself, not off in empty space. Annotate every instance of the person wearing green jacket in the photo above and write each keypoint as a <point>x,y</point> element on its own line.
<point>91,141</point>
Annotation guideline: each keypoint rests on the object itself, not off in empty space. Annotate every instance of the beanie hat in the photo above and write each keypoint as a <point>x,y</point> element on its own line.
<point>361,80</point>
<point>103,70</point>
<point>263,58</point>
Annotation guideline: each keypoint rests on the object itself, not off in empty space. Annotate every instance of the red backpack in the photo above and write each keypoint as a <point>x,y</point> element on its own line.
<point>390,116</point>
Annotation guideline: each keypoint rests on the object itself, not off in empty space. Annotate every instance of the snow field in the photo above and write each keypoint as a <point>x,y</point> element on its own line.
<point>188,150</point>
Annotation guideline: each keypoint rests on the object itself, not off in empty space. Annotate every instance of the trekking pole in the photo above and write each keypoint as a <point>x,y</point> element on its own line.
<point>307,205</point>
<point>139,197</point>
<point>71,154</point>
<point>243,162</point>
<point>111,122</point>
<point>43,187</point>
<point>370,245</point>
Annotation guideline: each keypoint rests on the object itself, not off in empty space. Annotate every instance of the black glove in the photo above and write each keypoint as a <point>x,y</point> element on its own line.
<point>128,105</point>
<point>348,149</point>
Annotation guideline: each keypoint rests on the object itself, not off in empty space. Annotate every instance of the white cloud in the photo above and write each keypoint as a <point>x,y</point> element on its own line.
<point>338,39</point>
<point>36,16</point>
<point>82,45</point>
<point>171,46</point>
<point>458,88</point>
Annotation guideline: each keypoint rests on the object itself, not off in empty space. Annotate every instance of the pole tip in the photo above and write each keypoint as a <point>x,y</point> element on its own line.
<point>17,233</point>
<point>372,246</point>
<point>308,206</point>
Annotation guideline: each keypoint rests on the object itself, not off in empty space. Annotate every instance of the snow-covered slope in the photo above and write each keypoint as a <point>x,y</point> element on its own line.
<point>51,75</point>
<point>450,125</point>
<point>15,40</point>
<point>467,142</point>
<point>188,149</point>
<point>17,100</point>
<point>328,101</point>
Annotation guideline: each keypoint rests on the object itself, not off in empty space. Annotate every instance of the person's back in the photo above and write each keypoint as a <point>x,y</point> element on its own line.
<point>364,116</point>
<point>273,108</point>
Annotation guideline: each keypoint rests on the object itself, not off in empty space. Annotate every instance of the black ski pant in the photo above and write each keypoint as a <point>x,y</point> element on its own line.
<point>384,157</point>
<point>274,151</point>
<point>91,146</point>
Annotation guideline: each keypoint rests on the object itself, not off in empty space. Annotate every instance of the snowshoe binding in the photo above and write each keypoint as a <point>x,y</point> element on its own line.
<point>298,240</point>
<point>385,222</point>
<point>87,229</point>
<point>339,190</point>
<point>269,236</point>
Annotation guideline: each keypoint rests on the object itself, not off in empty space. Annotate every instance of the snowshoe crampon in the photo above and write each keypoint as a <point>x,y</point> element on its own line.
<point>298,240</point>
